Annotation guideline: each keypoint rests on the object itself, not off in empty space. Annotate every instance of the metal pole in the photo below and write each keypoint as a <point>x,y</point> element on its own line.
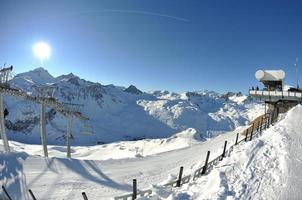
<point>252,132</point>
<point>178,184</point>
<point>43,130</point>
<point>68,137</point>
<point>236,142</point>
<point>261,124</point>
<point>134,195</point>
<point>6,193</point>
<point>32,194</point>
<point>84,196</point>
<point>2,125</point>
<point>246,134</point>
<point>224,149</point>
<point>204,170</point>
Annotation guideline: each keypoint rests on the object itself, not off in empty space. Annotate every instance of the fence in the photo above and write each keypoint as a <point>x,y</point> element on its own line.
<point>277,95</point>
<point>257,126</point>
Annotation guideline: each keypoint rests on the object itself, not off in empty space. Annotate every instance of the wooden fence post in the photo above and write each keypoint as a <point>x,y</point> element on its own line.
<point>84,196</point>
<point>224,149</point>
<point>246,133</point>
<point>237,136</point>
<point>261,122</point>
<point>252,131</point>
<point>134,195</point>
<point>204,169</point>
<point>32,194</point>
<point>179,176</point>
<point>6,193</point>
<point>251,136</point>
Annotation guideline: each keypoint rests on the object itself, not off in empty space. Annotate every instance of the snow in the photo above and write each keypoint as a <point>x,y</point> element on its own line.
<point>268,167</point>
<point>146,136</point>
<point>254,170</point>
<point>57,177</point>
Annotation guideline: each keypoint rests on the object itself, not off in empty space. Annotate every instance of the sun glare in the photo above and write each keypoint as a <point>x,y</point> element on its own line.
<point>42,50</point>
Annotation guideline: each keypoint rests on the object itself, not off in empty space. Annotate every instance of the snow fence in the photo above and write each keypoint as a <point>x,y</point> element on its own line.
<point>259,124</point>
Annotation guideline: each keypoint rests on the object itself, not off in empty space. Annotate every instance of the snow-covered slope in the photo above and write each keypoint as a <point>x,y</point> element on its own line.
<point>268,167</point>
<point>118,113</point>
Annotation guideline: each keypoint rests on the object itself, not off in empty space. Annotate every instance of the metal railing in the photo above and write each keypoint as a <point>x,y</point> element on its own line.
<point>294,95</point>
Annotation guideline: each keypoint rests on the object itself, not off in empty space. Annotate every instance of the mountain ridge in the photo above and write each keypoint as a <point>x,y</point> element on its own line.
<point>117,114</point>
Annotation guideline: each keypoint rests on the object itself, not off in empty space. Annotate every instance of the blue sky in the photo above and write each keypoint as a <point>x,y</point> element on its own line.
<point>156,45</point>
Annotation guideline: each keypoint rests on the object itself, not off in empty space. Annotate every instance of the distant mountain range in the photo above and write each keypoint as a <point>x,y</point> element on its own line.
<point>119,113</point>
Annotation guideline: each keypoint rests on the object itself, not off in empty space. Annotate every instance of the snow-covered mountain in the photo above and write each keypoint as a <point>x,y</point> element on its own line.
<point>119,113</point>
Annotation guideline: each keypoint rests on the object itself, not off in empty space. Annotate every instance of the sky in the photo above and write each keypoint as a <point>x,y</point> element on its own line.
<point>156,45</point>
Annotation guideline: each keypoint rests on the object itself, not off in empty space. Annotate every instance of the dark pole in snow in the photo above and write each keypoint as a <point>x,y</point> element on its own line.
<point>252,128</point>
<point>224,149</point>
<point>6,193</point>
<point>32,194</point>
<point>267,123</point>
<point>261,124</point>
<point>180,176</point>
<point>237,136</point>
<point>134,195</point>
<point>84,196</point>
<point>204,169</point>
<point>251,136</point>
<point>246,133</point>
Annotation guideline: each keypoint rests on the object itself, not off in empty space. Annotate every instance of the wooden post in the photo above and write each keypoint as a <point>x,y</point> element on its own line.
<point>84,196</point>
<point>68,136</point>
<point>2,125</point>
<point>6,193</point>
<point>178,184</point>
<point>204,169</point>
<point>252,128</point>
<point>261,124</point>
<point>267,123</point>
<point>43,129</point>
<point>224,149</point>
<point>246,133</point>
<point>32,194</point>
<point>237,136</point>
<point>251,136</point>
<point>134,195</point>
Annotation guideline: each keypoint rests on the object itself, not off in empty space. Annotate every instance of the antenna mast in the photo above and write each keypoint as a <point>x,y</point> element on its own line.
<point>297,70</point>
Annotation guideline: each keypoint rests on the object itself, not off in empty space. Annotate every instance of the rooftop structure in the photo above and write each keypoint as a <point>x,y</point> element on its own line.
<point>274,93</point>
<point>271,79</point>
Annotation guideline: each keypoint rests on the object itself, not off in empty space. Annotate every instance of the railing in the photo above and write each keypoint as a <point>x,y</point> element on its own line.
<point>296,95</point>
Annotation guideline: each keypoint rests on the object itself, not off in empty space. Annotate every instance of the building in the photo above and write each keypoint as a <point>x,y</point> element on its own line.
<point>273,93</point>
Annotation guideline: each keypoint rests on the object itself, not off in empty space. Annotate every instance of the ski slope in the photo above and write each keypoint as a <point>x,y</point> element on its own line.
<point>61,178</point>
<point>268,167</point>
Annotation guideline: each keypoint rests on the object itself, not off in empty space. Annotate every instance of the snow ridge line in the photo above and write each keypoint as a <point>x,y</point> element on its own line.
<point>263,122</point>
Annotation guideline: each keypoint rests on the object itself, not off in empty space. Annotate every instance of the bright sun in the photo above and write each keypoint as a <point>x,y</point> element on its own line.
<point>42,50</point>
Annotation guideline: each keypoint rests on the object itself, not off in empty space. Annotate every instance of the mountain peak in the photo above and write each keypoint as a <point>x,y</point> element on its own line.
<point>38,76</point>
<point>133,90</point>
